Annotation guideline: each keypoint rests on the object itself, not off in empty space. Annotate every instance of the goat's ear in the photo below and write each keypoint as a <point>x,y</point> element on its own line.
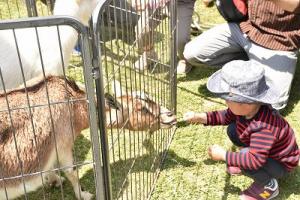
<point>141,95</point>
<point>111,101</point>
<point>116,87</point>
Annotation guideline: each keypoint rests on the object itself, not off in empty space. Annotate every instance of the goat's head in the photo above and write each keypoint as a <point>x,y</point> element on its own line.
<point>137,112</point>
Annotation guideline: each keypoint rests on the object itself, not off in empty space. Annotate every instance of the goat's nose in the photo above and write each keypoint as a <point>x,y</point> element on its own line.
<point>174,122</point>
<point>169,114</point>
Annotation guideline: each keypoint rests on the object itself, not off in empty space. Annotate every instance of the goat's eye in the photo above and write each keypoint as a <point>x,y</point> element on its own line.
<point>145,110</point>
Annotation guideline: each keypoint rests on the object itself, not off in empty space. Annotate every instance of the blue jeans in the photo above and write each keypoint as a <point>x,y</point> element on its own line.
<point>271,169</point>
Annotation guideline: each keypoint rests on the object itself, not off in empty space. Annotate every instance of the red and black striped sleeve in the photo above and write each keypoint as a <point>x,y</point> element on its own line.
<point>221,117</point>
<point>261,143</point>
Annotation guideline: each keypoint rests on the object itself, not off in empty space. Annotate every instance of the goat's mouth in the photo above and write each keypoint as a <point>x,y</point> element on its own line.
<point>167,120</point>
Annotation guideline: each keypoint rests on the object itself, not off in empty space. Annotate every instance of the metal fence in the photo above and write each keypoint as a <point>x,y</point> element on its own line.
<point>41,119</point>
<point>127,58</point>
<point>136,49</point>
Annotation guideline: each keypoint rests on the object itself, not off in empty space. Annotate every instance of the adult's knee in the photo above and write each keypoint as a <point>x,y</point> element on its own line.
<point>192,55</point>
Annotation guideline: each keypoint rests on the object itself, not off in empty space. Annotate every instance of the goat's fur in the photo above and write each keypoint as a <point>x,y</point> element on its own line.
<point>51,126</point>
<point>31,60</point>
<point>39,136</point>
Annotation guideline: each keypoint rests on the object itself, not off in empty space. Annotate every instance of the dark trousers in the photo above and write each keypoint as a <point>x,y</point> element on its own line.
<point>271,169</point>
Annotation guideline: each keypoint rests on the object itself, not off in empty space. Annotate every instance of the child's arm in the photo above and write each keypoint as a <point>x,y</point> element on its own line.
<point>222,117</point>
<point>255,157</point>
<point>195,118</point>
<point>217,153</point>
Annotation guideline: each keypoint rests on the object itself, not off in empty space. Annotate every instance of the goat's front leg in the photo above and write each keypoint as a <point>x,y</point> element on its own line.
<point>67,160</point>
<point>73,178</point>
<point>53,179</point>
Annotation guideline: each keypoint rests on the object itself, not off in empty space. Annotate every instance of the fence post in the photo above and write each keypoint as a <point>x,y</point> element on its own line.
<point>173,56</point>
<point>98,77</point>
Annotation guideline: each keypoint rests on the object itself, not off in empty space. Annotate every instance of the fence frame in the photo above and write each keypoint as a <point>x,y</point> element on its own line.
<point>99,81</point>
<point>91,52</point>
<point>35,22</point>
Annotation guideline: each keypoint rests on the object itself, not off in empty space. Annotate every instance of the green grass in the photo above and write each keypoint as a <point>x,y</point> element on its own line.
<point>196,177</point>
<point>187,173</point>
<point>135,157</point>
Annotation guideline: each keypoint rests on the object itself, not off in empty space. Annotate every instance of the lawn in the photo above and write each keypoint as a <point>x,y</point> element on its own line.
<point>135,157</point>
<point>191,174</point>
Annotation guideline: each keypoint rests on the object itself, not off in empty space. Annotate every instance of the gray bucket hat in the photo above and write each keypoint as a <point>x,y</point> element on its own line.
<point>243,82</point>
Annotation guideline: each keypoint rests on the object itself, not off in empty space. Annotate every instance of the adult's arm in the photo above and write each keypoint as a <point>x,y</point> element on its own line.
<point>288,5</point>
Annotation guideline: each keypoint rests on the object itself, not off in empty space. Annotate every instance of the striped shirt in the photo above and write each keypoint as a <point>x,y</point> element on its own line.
<point>272,27</point>
<point>267,135</point>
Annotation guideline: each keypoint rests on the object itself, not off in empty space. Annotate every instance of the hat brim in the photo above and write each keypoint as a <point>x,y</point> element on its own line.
<point>270,96</point>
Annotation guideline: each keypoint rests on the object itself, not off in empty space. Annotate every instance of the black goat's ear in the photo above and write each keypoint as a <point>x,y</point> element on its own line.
<point>111,101</point>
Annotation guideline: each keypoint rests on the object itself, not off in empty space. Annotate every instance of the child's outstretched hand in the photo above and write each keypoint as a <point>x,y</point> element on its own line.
<point>217,153</point>
<point>195,118</point>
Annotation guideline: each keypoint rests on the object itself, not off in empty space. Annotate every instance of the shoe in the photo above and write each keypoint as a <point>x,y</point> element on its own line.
<point>207,3</point>
<point>234,170</point>
<point>258,192</point>
<point>183,67</point>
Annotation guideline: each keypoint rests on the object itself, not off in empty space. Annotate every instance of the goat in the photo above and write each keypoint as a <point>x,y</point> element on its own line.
<point>26,39</point>
<point>136,111</point>
<point>55,126</point>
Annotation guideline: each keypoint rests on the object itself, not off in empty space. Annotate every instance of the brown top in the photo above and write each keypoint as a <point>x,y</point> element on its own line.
<point>272,27</point>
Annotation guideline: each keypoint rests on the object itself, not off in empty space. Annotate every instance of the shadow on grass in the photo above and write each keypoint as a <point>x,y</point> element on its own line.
<point>229,188</point>
<point>182,124</point>
<point>205,92</point>
<point>144,166</point>
<point>197,73</point>
<point>209,161</point>
<point>81,148</point>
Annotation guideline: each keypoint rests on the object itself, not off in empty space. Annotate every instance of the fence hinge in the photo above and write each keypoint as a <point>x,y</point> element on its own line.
<point>95,72</point>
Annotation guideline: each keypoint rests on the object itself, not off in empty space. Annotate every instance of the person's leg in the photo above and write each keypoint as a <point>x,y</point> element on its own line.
<point>279,69</point>
<point>265,185</point>
<point>232,134</point>
<point>271,169</point>
<point>217,46</point>
<point>184,15</point>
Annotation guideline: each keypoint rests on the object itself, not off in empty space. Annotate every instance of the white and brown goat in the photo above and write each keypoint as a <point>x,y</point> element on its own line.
<point>25,51</point>
<point>37,139</point>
